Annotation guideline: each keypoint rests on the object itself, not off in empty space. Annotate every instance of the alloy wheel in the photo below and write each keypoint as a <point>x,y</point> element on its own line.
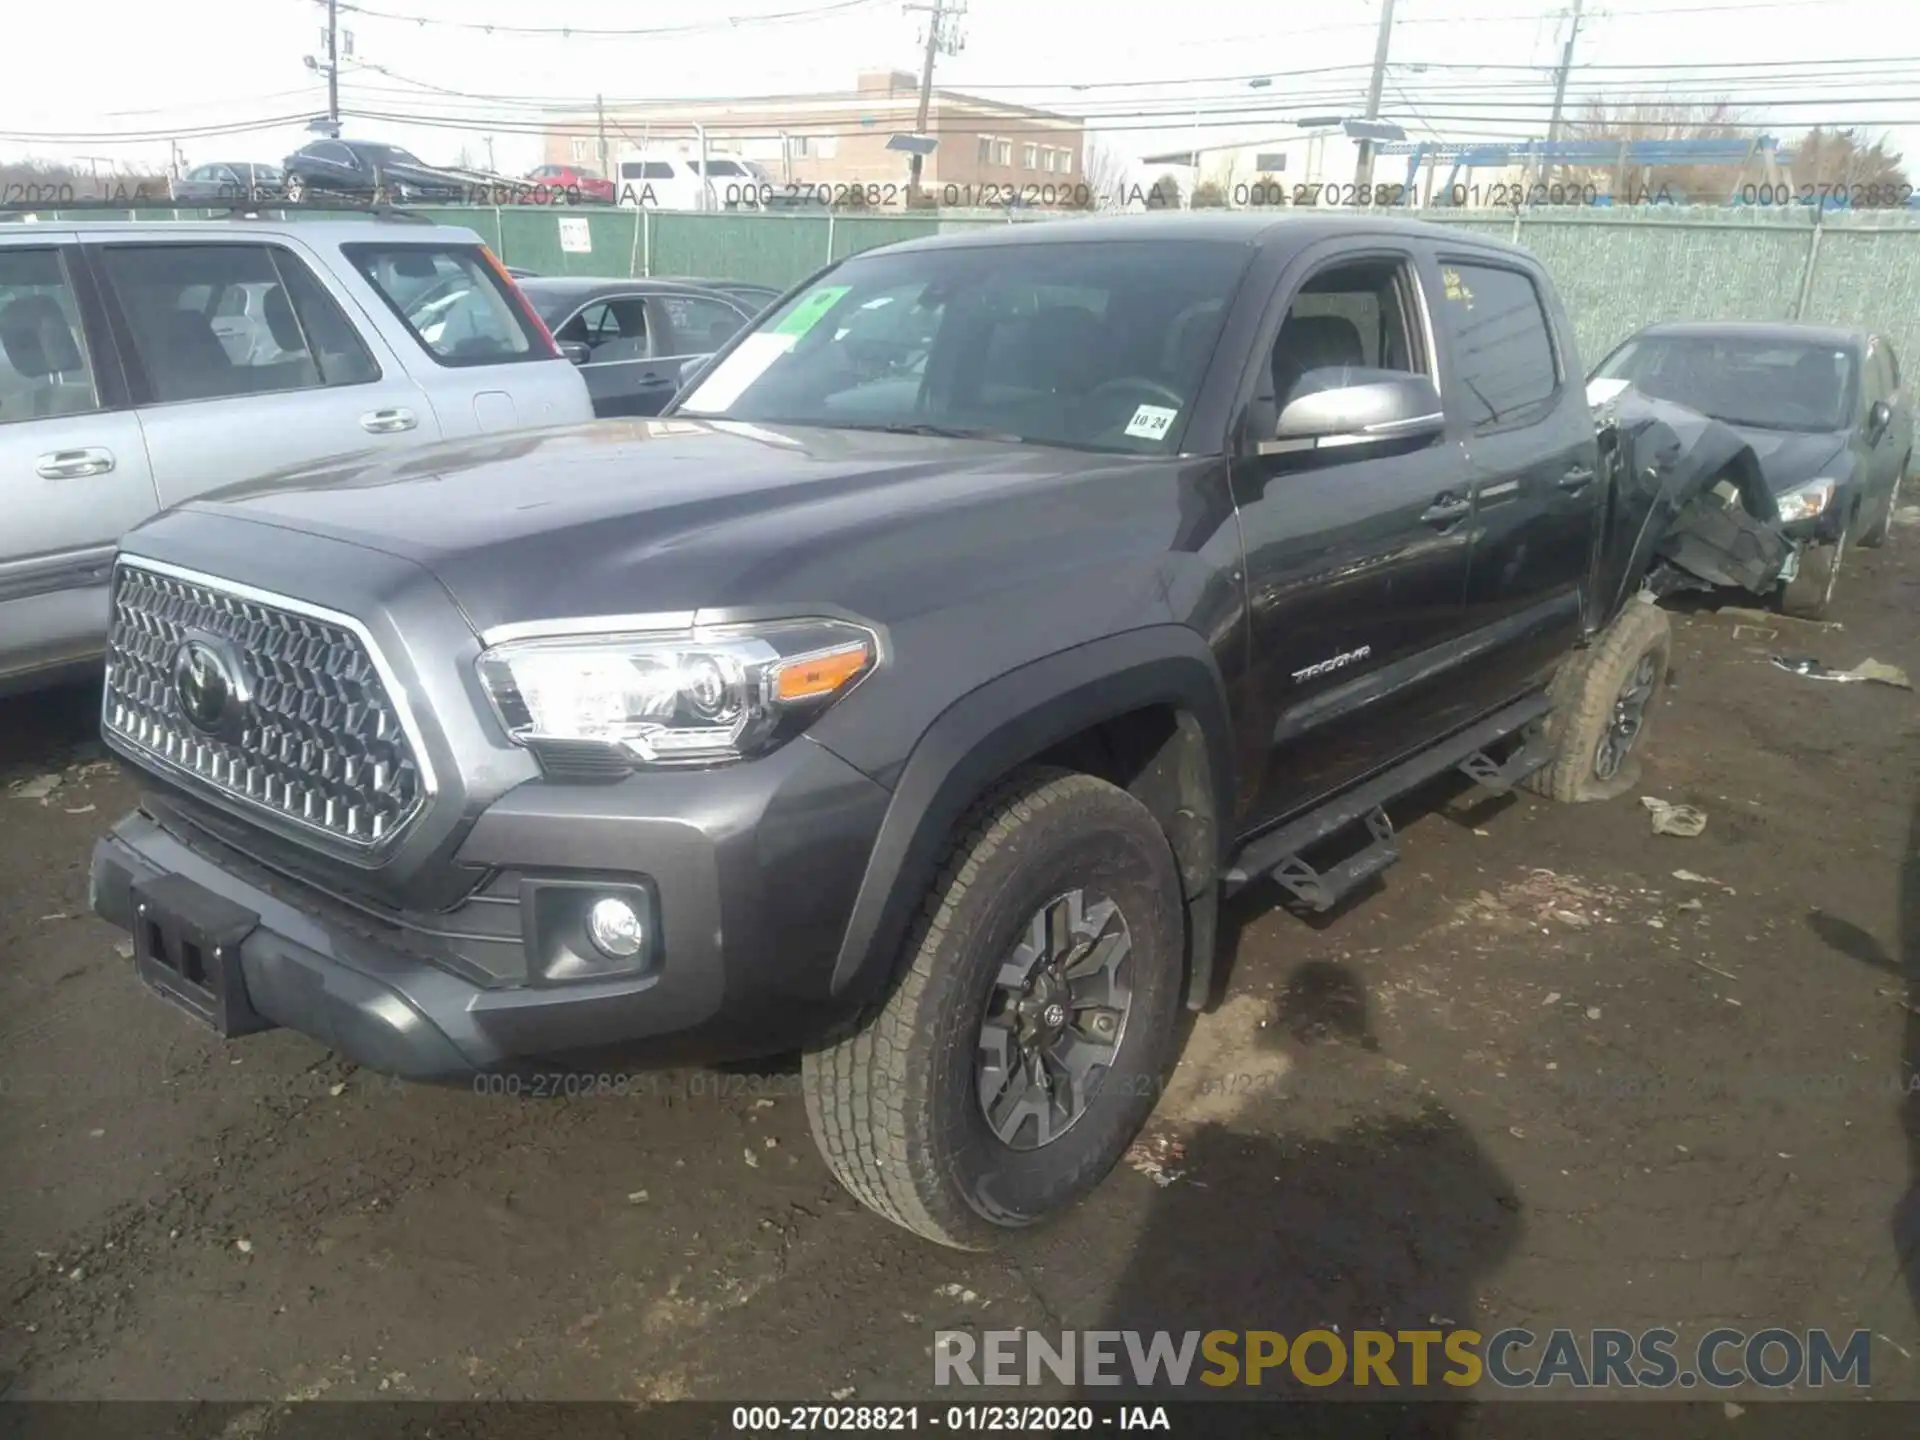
<point>1629,716</point>
<point>1054,1020</point>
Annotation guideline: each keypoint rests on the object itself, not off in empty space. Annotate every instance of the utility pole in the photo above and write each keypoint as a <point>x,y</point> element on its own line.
<point>333,67</point>
<point>941,40</point>
<point>600,117</point>
<point>1560,83</point>
<point>1363,167</point>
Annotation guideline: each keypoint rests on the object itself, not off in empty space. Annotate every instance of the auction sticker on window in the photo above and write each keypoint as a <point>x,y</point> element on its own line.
<point>1151,422</point>
<point>810,311</point>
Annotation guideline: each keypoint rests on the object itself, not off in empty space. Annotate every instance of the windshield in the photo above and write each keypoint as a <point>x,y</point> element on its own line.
<point>1098,346</point>
<point>1763,383</point>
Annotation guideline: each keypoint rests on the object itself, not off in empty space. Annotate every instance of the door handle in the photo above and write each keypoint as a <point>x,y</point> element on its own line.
<point>387,422</point>
<point>1447,510</point>
<point>1577,478</point>
<point>74,464</point>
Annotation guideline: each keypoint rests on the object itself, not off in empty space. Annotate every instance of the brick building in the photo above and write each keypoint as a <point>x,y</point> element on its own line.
<point>841,138</point>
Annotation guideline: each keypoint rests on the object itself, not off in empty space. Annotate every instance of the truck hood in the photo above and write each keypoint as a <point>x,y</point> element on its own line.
<point>668,517</point>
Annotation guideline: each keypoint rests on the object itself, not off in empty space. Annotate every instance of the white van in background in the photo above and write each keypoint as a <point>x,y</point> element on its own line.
<point>672,180</point>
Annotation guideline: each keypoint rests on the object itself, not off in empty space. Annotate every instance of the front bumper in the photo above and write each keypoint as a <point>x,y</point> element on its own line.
<point>754,869</point>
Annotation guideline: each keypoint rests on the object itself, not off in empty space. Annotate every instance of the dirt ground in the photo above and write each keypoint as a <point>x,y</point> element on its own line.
<point>1534,1079</point>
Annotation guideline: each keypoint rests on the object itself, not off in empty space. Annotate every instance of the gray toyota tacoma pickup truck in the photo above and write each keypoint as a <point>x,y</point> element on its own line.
<point>909,695</point>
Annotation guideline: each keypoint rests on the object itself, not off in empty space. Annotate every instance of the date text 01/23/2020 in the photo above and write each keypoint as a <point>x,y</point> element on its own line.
<point>1016,1419</point>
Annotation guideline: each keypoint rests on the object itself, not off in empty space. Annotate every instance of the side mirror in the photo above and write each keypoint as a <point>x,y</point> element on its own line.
<point>576,352</point>
<point>1361,407</point>
<point>1879,420</point>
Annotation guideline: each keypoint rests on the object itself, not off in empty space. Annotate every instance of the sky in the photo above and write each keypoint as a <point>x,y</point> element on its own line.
<point>1147,77</point>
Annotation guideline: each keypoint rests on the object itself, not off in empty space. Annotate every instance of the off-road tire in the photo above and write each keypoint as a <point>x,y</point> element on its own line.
<point>1875,535</point>
<point>1583,693</point>
<point>1809,595</point>
<point>892,1100</point>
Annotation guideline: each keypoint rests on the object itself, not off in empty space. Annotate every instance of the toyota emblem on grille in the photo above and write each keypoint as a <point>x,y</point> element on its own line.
<point>210,686</point>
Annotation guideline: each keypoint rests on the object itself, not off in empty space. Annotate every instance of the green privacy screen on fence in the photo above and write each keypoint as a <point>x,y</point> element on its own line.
<point>1617,270</point>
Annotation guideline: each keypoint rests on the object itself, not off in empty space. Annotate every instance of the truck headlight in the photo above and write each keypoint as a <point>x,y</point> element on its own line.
<point>1805,502</point>
<point>693,697</point>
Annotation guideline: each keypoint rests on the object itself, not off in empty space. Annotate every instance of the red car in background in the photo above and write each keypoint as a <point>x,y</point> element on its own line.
<point>572,183</point>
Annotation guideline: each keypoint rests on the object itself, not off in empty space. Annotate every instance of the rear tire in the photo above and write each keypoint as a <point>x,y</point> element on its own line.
<point>1809,595</point>
<point>1603,698</point>
<point>901,1104</point>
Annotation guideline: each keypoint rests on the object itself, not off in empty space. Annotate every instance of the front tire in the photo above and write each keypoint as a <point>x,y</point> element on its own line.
<point>1603,698</point>
<point>1025,1042</point>
<point>1809,595</point>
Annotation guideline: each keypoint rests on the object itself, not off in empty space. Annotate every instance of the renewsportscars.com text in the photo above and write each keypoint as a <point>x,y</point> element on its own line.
<point>1511,1359</point>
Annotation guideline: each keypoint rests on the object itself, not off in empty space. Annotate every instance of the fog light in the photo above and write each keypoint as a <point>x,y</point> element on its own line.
<point>614,927</point>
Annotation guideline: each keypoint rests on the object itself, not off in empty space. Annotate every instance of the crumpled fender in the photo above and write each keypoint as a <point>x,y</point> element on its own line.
<point>1658,459</point>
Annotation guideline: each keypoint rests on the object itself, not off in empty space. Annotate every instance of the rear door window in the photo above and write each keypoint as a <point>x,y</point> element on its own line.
<point>43,354</point>
<point>451,300</point>
<point>1502,346</point>
<point>211,321</point>
<point>697,325</point>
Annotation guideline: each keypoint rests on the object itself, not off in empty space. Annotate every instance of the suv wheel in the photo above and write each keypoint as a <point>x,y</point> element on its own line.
<point>1024,1044</point>
<point>1808,595</point>
<point>1603,697</point>
<point>1876,534</point>
<point>296,189</point>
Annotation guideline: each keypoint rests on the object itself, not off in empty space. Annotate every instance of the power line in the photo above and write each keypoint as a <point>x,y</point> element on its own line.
<point>600,32</point>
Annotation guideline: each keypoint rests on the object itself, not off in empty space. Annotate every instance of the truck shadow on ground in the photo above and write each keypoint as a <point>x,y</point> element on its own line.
<point>46,729</point>
<point>1387,1223</point>
<point>1904,966</point>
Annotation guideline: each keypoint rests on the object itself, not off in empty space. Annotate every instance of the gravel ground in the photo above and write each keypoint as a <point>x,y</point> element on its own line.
<point>1533,1079</point>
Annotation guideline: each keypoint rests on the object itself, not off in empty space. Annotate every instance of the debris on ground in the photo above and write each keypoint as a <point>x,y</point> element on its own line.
<point>38,788</point>
<point>1685,821</point>
<point>1545,895</point>
<point>1693,878</point>
<point>1874,670</point>
<point>124,949</point>
<point>1155,1156</point>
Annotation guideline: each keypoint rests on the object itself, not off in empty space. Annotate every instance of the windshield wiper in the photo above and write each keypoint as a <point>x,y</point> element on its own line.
<point>944,432</point>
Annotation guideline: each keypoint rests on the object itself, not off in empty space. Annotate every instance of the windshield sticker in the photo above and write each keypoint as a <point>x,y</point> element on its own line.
<point>739,370</point>
<point>811,310</point>
<point>1456,287</point>
<point>1151,422</point>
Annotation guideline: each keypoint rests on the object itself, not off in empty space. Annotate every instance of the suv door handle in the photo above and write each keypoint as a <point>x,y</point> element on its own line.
<point>74,464</point>
<point>1447,510</point>
<point>387,422</point>
<point>1577,478</point>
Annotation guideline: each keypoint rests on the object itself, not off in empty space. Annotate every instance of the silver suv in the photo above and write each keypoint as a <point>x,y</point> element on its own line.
<point>142,364</point>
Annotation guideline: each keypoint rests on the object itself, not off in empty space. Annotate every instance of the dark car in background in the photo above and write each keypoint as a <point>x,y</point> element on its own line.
<point>231,180</point>
<point>359,167</point>
<point>1823,408</point>
<point>632,338</point>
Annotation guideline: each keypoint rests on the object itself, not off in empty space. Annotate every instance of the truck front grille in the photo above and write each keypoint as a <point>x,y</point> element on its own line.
<point>309,731</point>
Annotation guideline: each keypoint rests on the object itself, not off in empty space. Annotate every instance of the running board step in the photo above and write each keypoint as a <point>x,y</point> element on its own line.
<point>1321,890</point>
<point>1265,854</point>
<point>1499,777</point>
